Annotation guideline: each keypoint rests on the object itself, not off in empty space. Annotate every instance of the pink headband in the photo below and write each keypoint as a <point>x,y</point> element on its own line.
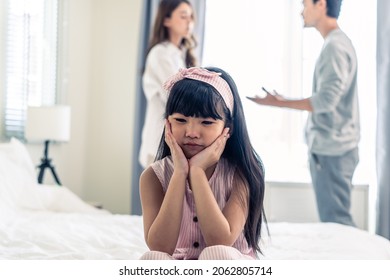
<point>204,75</point>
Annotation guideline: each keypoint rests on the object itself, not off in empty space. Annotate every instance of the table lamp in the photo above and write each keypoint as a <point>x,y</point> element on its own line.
<point>48,123</point>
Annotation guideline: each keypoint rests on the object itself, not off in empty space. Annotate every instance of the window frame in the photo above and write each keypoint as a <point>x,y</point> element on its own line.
<point>31,68</point>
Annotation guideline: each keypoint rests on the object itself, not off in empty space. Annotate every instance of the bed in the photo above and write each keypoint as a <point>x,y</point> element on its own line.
<point>40,222</point>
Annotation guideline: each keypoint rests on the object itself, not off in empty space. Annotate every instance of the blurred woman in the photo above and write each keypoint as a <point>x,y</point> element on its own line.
<point>170,49</point>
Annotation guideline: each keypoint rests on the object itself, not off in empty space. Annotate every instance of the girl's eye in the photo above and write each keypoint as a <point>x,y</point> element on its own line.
<point>207,122</point>
<point>180,120</point>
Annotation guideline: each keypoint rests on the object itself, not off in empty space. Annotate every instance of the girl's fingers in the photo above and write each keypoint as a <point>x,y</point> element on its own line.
<point>225,132</point>
<point>168,134</point>
<point>179,160</point>
<point>222,142</point>
<point>213,153</point>
<point>219,143</point>
<point>224,136</point>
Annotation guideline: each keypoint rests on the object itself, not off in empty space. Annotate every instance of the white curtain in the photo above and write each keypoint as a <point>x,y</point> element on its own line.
<point>383,118</point>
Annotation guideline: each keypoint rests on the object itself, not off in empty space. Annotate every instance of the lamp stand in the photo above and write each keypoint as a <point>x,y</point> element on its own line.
<point>46,163</point>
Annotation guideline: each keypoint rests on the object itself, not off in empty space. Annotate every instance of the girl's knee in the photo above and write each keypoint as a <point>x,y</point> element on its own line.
<point>156,255</point>
<point>220,252</point>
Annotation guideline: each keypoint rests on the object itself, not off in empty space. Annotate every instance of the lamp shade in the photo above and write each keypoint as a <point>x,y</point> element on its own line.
<point>48,123</point>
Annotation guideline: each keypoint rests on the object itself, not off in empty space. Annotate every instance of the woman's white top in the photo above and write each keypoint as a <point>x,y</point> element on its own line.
<point>162,62</point>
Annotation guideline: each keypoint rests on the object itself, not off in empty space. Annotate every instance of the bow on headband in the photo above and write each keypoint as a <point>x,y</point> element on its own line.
<point>209,77</point>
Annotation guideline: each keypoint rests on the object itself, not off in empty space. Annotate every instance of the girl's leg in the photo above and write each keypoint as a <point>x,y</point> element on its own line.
<point>221,252</point>
<point>156,255</point>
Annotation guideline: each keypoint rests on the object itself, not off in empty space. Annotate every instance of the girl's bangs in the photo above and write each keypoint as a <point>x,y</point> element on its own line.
<point>194,98</point>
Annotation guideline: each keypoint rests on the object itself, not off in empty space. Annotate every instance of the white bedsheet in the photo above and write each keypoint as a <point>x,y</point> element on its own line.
<point>50,235</point>
<point>323,241</point>
<point>71,229</point>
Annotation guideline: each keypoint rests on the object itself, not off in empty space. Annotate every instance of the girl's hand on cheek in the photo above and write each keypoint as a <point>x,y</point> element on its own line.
<point>212,153</point>
<point>180,161</point>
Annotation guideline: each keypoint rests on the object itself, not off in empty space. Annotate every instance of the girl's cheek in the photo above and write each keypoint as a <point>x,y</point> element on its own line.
<point>175,133</point>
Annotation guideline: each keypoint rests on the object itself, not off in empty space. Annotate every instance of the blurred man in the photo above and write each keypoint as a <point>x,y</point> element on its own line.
<point>333,129</point>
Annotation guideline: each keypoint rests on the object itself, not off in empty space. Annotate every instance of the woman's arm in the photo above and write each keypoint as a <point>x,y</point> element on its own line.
<point>162,214</point>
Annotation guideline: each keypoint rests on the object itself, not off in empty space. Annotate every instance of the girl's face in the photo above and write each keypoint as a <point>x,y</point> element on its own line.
<point>194,134</point>
<point>181,22</point>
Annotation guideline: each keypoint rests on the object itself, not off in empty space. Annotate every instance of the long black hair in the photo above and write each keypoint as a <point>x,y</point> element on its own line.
<point>160,32</point>
<point>198,99</point>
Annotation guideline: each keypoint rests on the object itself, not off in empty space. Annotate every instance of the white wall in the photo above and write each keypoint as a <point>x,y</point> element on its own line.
<point>115,33</point>
<point>100,69</point>
<point>295,202</point>
<point>103,40</point>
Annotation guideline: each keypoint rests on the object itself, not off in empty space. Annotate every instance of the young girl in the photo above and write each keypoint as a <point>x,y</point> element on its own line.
<point>170,49</point>
<point>203,197</point>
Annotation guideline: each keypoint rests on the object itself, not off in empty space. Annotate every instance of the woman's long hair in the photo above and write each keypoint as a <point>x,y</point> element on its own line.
<point>198,99</point>
<point>160,32</point>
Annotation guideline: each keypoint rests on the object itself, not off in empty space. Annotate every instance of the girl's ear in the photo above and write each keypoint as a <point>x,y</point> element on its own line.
<point>231,129</point>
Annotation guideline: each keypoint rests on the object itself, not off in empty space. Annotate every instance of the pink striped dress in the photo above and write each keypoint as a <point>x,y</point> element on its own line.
<point>191,242</point>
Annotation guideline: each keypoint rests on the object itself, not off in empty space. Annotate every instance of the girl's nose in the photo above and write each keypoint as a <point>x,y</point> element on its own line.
<point>192,131</point>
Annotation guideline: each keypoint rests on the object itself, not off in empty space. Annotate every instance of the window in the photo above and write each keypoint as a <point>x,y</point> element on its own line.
<point>263,43</point>
<point>30,60</point>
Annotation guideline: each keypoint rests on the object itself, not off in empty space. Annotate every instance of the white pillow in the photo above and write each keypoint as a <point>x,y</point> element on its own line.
<point>19,154</point>
<point>18,176</point>
<point>19,187</point>
<point>61,199</point>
